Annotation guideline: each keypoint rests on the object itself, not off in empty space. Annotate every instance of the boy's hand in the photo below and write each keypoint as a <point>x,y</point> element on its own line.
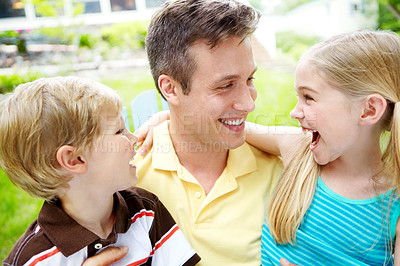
<point>145,131</point>
<point>106,257</point>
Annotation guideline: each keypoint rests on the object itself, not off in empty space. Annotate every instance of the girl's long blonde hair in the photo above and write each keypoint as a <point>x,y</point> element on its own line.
<point>358,64</point>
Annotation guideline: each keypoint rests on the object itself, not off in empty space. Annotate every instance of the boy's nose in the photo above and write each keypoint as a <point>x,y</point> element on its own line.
<point>132,137</point>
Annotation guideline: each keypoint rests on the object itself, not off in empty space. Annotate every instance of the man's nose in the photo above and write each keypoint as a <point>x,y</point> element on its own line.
<point>245,99</point>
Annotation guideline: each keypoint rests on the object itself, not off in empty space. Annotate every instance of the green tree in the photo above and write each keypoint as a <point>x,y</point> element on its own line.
<point>389,15</point>
<point>56,8</point>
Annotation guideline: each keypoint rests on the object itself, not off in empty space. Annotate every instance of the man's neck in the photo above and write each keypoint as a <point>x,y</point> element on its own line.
<point>203,161</point>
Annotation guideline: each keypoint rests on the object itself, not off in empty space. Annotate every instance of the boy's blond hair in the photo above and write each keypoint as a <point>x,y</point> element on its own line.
<point>41,116</point>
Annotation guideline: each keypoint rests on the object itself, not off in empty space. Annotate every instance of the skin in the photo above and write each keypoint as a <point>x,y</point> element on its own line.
<point>348,144</point>
<point>222,92</point>
<point>89,199</point>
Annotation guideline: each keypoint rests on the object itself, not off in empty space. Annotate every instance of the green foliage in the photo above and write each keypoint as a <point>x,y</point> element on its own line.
<point>49,8</point>
<point>289,42</point>
<point>17,211</point>
<point>9,82</point>
<point>9,34</point>
<point>58,35</point>
<point>276,98</point>
<point>87,40</point>
<point>387,20</point>
<point>55,8</point>
<point>126,35</point>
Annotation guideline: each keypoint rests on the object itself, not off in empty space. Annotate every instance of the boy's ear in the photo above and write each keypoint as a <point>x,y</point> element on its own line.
<point>374,107</point>
<point>70,161</point>
<point>169,88</point>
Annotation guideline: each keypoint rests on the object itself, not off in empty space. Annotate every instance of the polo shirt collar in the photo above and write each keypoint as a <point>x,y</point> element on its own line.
<point>241,160</point>
<point>68,235</point>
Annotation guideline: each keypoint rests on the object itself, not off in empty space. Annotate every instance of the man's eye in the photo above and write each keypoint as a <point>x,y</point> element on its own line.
<point>227,86</point>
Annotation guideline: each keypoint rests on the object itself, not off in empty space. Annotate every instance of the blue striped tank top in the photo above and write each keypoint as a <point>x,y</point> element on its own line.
<point>339,231</point>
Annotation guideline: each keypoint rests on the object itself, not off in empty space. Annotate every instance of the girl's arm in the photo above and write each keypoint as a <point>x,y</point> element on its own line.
<point>145,131</point>
<point>276,140</point>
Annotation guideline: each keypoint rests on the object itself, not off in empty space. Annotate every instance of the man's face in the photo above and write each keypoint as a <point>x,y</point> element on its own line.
<point>222,94</point>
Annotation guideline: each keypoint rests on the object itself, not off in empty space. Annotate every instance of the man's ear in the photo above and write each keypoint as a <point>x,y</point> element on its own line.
<point>373,109</point>
<point>70,161</point>
<point>169,87</point>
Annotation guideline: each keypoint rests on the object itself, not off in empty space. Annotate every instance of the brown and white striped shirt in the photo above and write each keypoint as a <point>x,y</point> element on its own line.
<point>142,223</point>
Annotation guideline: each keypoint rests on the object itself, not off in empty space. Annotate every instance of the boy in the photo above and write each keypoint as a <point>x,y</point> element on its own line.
<point>64,140</point>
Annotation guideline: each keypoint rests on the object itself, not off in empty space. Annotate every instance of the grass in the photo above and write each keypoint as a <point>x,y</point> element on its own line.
<point>17,211</point>
<point>276,98</point>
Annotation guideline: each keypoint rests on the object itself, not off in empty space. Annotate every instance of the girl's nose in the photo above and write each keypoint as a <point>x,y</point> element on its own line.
<point>297,113</point>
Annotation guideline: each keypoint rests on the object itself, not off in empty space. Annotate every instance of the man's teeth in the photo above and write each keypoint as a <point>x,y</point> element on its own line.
<point>236,122</point>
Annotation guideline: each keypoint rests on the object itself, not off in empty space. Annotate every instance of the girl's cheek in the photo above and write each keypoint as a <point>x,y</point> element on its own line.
<point>311,118</point>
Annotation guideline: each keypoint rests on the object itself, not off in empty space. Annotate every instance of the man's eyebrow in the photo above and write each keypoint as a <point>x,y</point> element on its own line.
<point>229,77</point>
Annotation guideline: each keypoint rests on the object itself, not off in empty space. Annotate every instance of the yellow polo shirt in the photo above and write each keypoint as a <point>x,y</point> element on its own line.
<point>224,227</point>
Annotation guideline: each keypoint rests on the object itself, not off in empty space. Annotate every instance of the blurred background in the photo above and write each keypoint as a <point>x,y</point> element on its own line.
<point>104,40</point>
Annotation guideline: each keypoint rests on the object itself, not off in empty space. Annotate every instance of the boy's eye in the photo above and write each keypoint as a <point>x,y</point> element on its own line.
<point>119,131</point>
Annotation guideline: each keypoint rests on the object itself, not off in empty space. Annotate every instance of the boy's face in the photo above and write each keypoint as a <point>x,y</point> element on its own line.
<point>108,162</point>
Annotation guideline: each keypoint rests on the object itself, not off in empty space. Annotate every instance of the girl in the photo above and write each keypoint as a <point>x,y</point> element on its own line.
<point>337,200</point>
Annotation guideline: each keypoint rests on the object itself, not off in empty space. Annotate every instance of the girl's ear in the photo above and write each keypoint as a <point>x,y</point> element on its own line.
<point>70,161</point>
<point>169,88</point>
<point>374,107</point>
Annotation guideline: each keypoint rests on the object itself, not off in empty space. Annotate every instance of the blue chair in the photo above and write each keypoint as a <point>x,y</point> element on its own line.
<point>125,116</point>
<point>144,105</point>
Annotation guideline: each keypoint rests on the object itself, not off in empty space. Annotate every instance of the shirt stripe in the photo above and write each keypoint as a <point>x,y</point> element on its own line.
<point>47,255</point>
<point>339,231</point>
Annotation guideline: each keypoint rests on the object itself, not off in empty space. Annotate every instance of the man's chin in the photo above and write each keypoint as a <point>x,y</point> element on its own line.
<point>235,143</point>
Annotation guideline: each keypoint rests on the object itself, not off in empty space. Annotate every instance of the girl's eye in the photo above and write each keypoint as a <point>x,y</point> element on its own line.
<point>119,131</point>
<point>308,97</point>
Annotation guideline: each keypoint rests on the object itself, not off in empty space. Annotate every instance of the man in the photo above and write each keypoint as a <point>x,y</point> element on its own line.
<point>215,185</point>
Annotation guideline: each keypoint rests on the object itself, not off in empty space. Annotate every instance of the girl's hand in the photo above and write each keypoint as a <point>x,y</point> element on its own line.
<point>285,262</point>
<point>145,131</point>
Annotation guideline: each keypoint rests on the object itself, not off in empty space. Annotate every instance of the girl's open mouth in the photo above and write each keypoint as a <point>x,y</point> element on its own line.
<point>314,137</point>
<point>314,140</point>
